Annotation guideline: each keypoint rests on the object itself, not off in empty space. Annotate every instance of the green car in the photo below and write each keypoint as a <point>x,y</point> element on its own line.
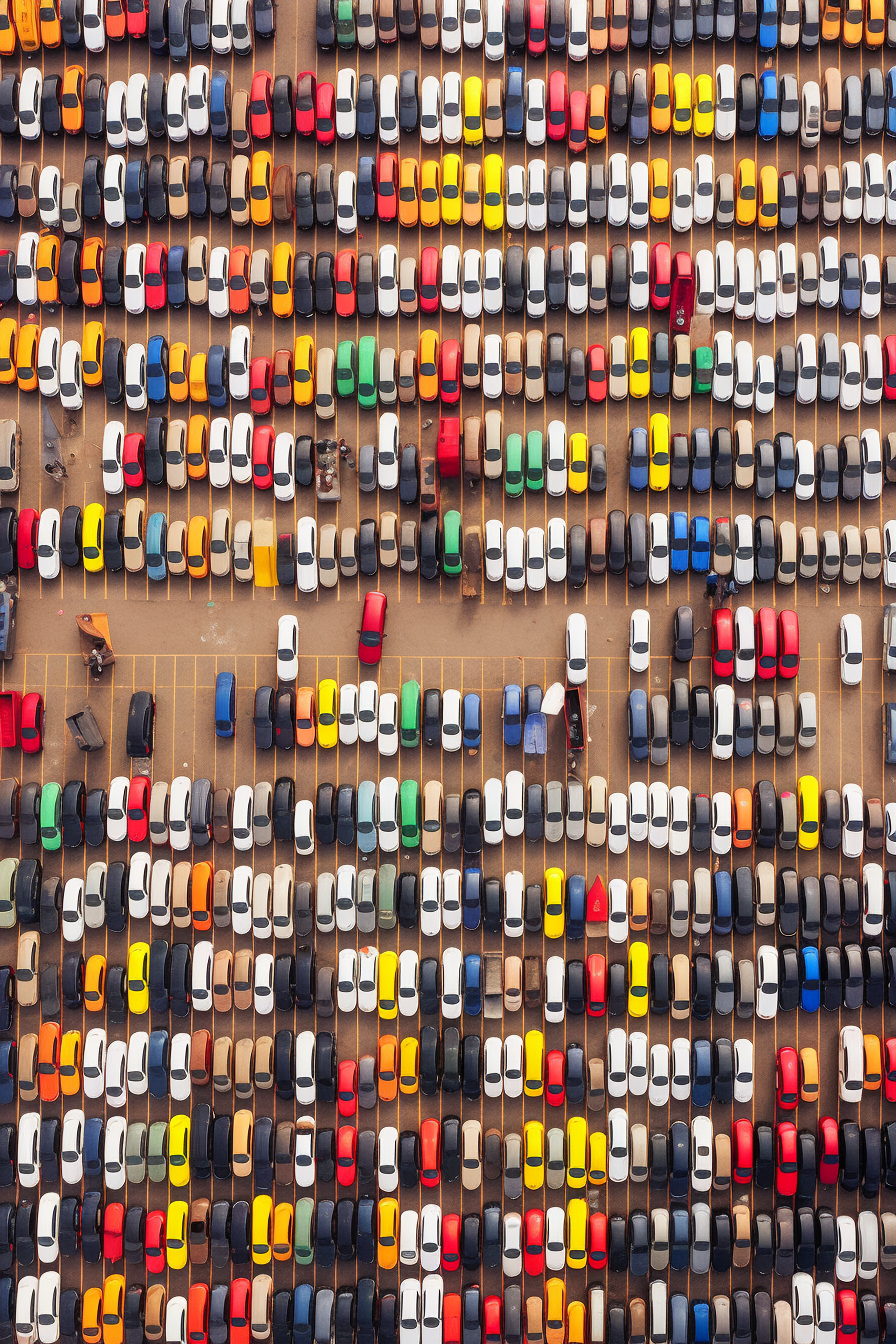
<point>346,369</point>
<point>51,816</point>
<point>534,460</point>
<point>135,1152</point>
<point>345,23</point>
<point>367,373</point>
<point>409,796</point>
<point>513,465</point>
<point>157,1151</point>
<point>703,368</point>
<point>385,896</point>
<point>452,544</point>
<point>8,870</point>
<point>410,714</point>
<point>304,1249</point>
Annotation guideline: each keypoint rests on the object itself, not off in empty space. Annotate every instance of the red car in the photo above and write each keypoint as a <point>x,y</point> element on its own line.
<point>451,1316</point>
<point>430,1153</point>
<point>890,368</point>
<point>261,118</point>
<point>596,984</point>
<point>156,275</point>
<point>538,37</point>
<point>723,643</point>
<point>429,280</point>
<point>137,17</point>
<point>491,1320</point>
<point>787,1078</point>
<point>113,1231</point>
<point>346,1154</point>
<point>450,1242</point>
<point>155,1242</point>
<point>766,628</point>
<point>597,1241</point>
<point>373,629</point>
<point>138,808</point>
<point>387,187</point>
<point>578,121</point>
<point>347,1089</point>
<point>447,451</point>
<point>32,722</point>
<point>263,456</point>
<point>325,122</point>
<point>681,299</point>
<point>828,1150</point>
<point>555,1083</point>
<point>346,274</point>
<point>558,106</point>
<point>306,100</point>
<point>788,644</point>
<point>596,903</point>
<point>197,1313</point>
<point>133,459</point>
<point>240,1311</point>
<point>116,24</point>
<point>26,538</point>
<point>742,1143</point>
<point>785,1154</point>
<point>533,1242</point>
<point>660,275</point>
<point>449,371</point>
<point>889,1043</point>
<point>238,279</point>
<point>847,1316</point>
<point>596,371</point>
<point>260,375</point>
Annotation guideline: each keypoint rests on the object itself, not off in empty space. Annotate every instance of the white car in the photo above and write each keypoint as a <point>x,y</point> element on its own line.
<point>452,118</point>
<point>368,711</point>
<point>680,1085</point>
<point>408,980</point>
<point>27,1149</point>
<point>576,649</point>
<point>388,112</point>
<point>658,814</point>
<point>472,27</point>
<point>493,1066</point>
<point>48,557</point>
<point>494,30</point>
<point>617,1062</point>
<point>115,1081</point>
<point>658,1086</point>
<point>452,982</point>
<point>513,1066</point>
<point>726,104</point>
<point>554,1238</point>
<point>515,202</point>
<point>617,1145</point>
<point>30,93</point>
<point>536,121</point>
<point>536,196</point>
<point>535,560</point>
<point>639,195</point>
<point>617,823</point>
<point>577,213</point>
<point>71,388</point>
<point>846,1263</point>
<point>723,367</point>
<point>743,1070</point>
<point>240,349</point>
<point>367,980</point>
<point>767,980</point>
<point>306,1089</point>
<point>704,188</point>
<point>701,1154</point>
<point>682,200</point>
<point>851,649</point>
<point>554,989</point>
<point>347,980</point>
<point>617,908</point>
<point>219,452</point>
<point>492,811</point>
<point>451,726</point>
<point>135,393</point>
<point>113,447</point>
<point>639,640</point>
<point>388,831</point>
<point>721,823</point>
<point>431,1237</point>
<point>803,1309</point>
<point>617,191</point>
<point>492,367</point>
<point>513,903</point>
<point>48,348</point>
<point>658,559</point>
<point>72,1149</point>
<point>868,1248</point>
<point>346,116</point>
<point>637,1063</point>
<point>450,27</point>
<point>431,902</point>
<point>679,819</point>
<point>494,550</point>
<point>387,1160</point>
<point>556,550</point>
<point>348,714</point>
<point>430,111</point>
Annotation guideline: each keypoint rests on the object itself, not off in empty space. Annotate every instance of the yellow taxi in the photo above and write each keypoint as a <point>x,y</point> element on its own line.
<point>807,797</point>
<point>47,268</point>
<point>176,1234</point>
<point>92,546</point>
<point>95,983</point>
<point>327,713</point>
<point>303,371</point>
<point>430,214</point>
<point>262,1229</point>
<point>92,345</point>
<point>682,114</point>
<point>428,365</point>
<point>660,98</point>
<point>198,379</point>
<point>197,547</point>
<point>638,968</point>
<point>658,183</point>
<point>387,1233</point>
<point>576,1152</point>
<point>451,179</point>
<point>597,1157</point>
<point>408,202</point>
<point>284,1222</point>
<point>660,460</point>
<point>554,915</point>
<point>178,361</point>
<point>533,1067</point>
<point>639,362</point>
<point>577,1233</point>
<point>533,1154</point>
<point>281,280</point>
<point>768,197</point>
<point>387,986</point>
<point>179,1150</point>
<point>9,336</point>
<point>70,1064</point>
<point>704,107</point>
<point>555,1311</point>
<point>745,207</point>
<point>197,447</point>
<point>473,110</point>
<point>260,207</point>
<point>597,114</point>
<point>577,481</point>
<point>492,192</point>
<point>408,1078</point>
<point>26,357</point>
<point>472,194</point>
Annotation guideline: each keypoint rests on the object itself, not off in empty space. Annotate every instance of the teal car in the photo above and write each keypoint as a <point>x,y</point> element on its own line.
<point>51,816</point>
<point>367,368</point>
<point>534,460</point>
<point>513,465</point>
<point>409,801</point>
<point>345,23</point>
<point>452,544</point>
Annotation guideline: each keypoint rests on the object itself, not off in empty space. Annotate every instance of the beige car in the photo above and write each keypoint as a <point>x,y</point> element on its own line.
<point>328,568</point>
<point>493,120</point>
<point>742,1238</point>
<point>260,277</point>
<point>176,548</point>
<point>28,1076</point>
<point>324,401</point>
<point>513,364</point>
<point>513,984</point>
<point>408,298</point>
<point>851,553</point>
<point>407,377</point>
<point>243,974</point>
<point>243,564</point>
<point>348,553</point>
<point>154,1314</point>
<point>722,557</point>
<point>244,1067</point>
<point>471,1155</point>
<point>681,987</point>
<point>239,186</point>
<point>134,514</point>
<point>722,1174</point>
<point>389,540</point>
<point>26,191</point>
<point>744,455</point>
<point>264,1063</point>
<point>219,545</point>
<point>178,201</point>
<point>197,271</point>
<point>534,365</point>
<point>71,208</point>
<point>638,1147</point>
<point>181,882</point>
<point>617,370</point>
<point>471,372</point>
<point>681,366</point>
<point>10,445</point>
<point>808,552</point>
<point>27,981</point>
<point>492,455</point>
<point>158,813</point>
<point>387,389</point>
<point>240,138</point>
<point>432,817</point>
<point>596,825</point>
<point>408,546</point>
<point>243,1127</point>
<point>262,1297</point>
<point>787,552</point>
<point>176,455</point>
<point>872,555</point>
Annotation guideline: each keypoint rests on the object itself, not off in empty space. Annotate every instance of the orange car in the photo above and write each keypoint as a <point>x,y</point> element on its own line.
<point>197,447</point>
<point>26,356</point>
<point>408,198</point>
<point>178,382</point>
<point>387,1067</point>
<point>70,1064</point>
<point>116,21</point>
<point>197,548</point>
<point>48,1060</point>
<point>7,30</point>
<point>95,984</point>
<point>743,819</point>
<point>203,878</point>
<point>427,365</point>
<point>73,99</point>
<point>50,27</point>
<point>92,273</point>
<point>238,279</point>
<point>597,114</point>
<point>92,1316</point>
<point>472,194</point>
<point>48,268</point>
<point>306,718</point>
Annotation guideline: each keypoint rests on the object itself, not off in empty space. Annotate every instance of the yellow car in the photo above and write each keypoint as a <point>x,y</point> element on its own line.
<point>179,1150</point>
<point>9,334</point>
<point>408,200</point>
<point>176,1234</point>
<point>199,377</point>
<point>575,1323</point>
<point>660,460</point>
<point>492,192</point>
<point>428,365</point>
<point>661,99</point>
<point>47,268</point>
<point>284,1222</point>
<point>597,1158</point>
<point>554,917</point>
<point>704,107</point>
<point>807,802</point>
<point>430,214</point>
<point>639,362</point>
<point>472,210</point>
<point>327,713</point>
<point>638,965</point>
<point>745,209</point>
<point>303,371</point>
<point>262,1229</point>
<point>473,110</point>
<point>682,117</point>
<point>70,1064</point>
<point>92,1316</point>
<point>597,114</point>
<point>451,178</point>
<point>387,989</point>
<point>95,983</point>
<point>387,1233</point>
<point>533,1154</point>
<point>281,280</point>
<point>768,197</point>
<point>197,547</point>
<point>658,180</point>
<point>577,481</point>
<point>26,18</point>
<point>7,31</point>
<point>851,32</point>
<point>577,1233</point>
<point>875,18</point>
<point>92,541</point>
<point>92,354</point>
<point>26,357</point>
<point>576,1152</point>
<point>533,1069</point>
<point>554,1311</point>
<point>830,21</point>
<point>197,447</point>
<point>138,978</point>
<point>260,207</point>
<point>408,1080</point>
<point>178,361</point>
<point>113,1309</point>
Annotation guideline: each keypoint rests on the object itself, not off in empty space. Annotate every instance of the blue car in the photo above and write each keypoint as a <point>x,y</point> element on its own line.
<point>157,1065</point>
<point>93,1148</point>
<point>513,716</point>
<point>638,459</point>
<point>513,103</point>
<point>177,276</point>
<point>8,1072</point>
<point>156,546</point>
<point>366,194</point>
<point>472,992</point>
<point>472,721</point>
<point>216,375</point>
<point>219,107</point>
<point>768,105</point>
<point>699,1322</point>
<point>157,369</point>
<point>575,907</point>
<point>891,101</point>
<point>135,191</point>
<point>723,916</point>
<point>810,977</point>
<point>471,898</point>
<point>678,1319</point>
<point>678,543</point>
<point>679,1238</point>
<point>303,1314</point>
<point>225,704</point>
<point>700,544</point>
<point>638,733</point>
<point>701,1073</point>
<point>768,25</point>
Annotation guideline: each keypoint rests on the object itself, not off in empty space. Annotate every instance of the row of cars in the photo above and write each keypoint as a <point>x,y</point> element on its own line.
<point>172,29</point>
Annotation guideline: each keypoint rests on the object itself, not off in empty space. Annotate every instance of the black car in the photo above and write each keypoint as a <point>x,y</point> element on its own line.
<point>324,200</point>
<point>219,189</point>
<point>701,717</point>
<point>141,719</point>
